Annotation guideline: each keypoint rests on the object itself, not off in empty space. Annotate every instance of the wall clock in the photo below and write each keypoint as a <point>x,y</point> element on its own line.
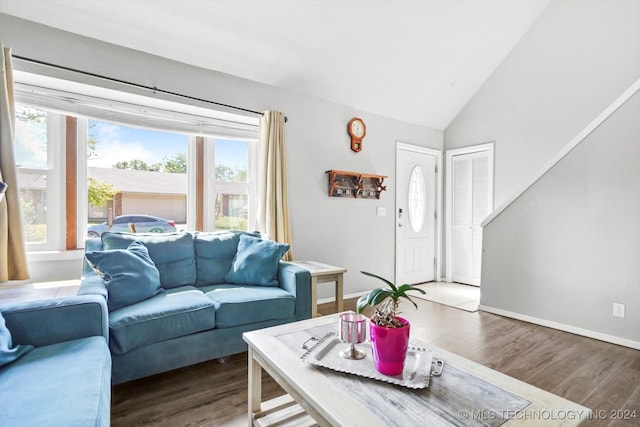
<point>357,130</point>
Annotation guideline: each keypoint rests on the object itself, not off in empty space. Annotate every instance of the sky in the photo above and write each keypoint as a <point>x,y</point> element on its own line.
<point>124,143</point>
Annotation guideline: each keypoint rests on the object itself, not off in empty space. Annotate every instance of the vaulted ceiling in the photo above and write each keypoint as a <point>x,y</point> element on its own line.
<point>418,61</point>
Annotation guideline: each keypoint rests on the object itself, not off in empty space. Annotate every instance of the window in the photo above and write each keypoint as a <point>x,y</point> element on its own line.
<point>38,159</point>
<point>233,205</point>
<point>415,199</point>
<point>140,151</point>
<point>136,171</point>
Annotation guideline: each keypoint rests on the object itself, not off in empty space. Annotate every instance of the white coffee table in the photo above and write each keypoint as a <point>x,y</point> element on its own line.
<point>319,396</point>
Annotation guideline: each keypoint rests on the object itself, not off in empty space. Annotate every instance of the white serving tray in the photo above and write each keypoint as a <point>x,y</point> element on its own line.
<point>325,352</point>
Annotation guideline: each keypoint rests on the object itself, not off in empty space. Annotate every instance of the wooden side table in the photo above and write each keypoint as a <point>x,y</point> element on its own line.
<point>322,273</point>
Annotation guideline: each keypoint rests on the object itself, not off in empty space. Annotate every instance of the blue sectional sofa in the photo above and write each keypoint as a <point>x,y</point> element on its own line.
<point>62,376</point>
<point>208,289</point>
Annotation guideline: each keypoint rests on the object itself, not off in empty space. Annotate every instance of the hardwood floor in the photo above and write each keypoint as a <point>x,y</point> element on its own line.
<point>604,377</point>
<point>41,290</point>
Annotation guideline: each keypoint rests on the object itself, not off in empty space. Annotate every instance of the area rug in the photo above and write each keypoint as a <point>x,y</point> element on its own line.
<point>463,297</point>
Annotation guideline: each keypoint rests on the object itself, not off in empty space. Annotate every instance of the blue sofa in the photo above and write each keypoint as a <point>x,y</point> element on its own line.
<point>210,289</point>
<point>65,379</point>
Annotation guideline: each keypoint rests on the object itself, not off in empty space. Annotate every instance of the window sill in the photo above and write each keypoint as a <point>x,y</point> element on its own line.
<point>55,255</point>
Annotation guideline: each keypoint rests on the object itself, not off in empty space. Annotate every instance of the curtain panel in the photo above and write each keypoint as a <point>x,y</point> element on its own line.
<point>273,209</point>
<point>13,259</point>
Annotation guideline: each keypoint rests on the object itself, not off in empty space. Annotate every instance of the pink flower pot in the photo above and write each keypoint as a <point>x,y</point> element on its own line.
<point>389,347</point>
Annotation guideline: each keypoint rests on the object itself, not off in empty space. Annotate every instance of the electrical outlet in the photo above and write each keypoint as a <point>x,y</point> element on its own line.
<point>618,309</point>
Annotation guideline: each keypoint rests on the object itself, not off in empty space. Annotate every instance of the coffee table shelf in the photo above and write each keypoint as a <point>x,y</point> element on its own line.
<point>283,411</point>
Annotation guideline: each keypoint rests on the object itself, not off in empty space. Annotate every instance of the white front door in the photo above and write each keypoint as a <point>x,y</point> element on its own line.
<point>416,230</point>
<point>470,183</point>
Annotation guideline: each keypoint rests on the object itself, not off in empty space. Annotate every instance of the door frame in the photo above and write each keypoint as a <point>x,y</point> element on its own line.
<point>438,222</point>
<point>489,146</point>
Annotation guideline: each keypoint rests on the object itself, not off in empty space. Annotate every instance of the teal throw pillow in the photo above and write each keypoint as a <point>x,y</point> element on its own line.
<point>8,353</point>
<point>256,262</point>
<point>130,274</point>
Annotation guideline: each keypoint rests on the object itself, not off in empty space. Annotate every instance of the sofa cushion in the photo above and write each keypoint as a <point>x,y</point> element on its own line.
<point>215,252</point>
<point>9,353</point>
<point>172,254</point>
<point>63,384</point>
<point>130,274</point>
<point>173,313</point>
<point>240,304</point>
<point>256,262</point>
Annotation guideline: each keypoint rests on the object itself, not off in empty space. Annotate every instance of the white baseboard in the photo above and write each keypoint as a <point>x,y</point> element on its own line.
<point>325,300</point>
<point>332,299</point>
<point>562,327</point>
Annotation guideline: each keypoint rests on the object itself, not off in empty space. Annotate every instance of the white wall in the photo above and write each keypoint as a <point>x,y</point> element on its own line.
<point>560,254</point>
<point>578,57</point>
<point>569,247</point>
<point>338,231</point>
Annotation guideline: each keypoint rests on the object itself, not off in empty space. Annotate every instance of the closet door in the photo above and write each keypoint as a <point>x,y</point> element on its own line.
<point>471,186</point>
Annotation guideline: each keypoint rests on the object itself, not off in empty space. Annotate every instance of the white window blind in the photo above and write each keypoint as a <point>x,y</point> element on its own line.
<point>100,103</point>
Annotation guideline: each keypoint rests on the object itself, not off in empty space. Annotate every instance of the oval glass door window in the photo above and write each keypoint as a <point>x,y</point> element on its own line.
<point>416,199</point>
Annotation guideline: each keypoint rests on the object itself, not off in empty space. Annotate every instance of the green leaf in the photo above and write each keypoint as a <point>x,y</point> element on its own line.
<point>380,295</point>
<point>362,303</point>
<point>410,300</point>
<point>391,285</point>
<point>376,296</point>
<point>99,192</point>
<point>405,288</point>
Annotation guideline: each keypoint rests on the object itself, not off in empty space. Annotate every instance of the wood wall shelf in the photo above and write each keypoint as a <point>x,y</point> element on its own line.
<point>355,184</point>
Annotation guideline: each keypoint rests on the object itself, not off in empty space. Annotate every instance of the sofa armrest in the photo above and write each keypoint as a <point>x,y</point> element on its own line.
<point>92,284</point>
<point>44,322</point>
<point>297,280</point>
<point>91,244</point>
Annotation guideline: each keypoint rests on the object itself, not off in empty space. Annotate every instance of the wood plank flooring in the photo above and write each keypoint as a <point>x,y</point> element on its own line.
<point>604,377</point>
<point>41,290</point>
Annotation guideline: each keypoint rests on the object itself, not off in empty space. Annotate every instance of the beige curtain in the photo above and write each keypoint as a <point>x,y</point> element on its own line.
<point>13,259</point>
<point>273,209</point>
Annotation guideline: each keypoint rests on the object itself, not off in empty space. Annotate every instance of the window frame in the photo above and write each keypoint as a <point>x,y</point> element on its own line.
<point>82,178</point>
<point>55,190</point>
<point>200,200</point>
<point>210,182</point>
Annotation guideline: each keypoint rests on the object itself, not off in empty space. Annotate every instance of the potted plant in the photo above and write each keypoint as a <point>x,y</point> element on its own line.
<point>389,333</point>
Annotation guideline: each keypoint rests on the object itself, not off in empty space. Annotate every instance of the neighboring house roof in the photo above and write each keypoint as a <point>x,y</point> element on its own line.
<point>123,181</point>
<point>32,181</point>
<point>133,181</point>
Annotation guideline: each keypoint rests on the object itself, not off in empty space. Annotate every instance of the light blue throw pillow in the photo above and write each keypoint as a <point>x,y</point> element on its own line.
<point>256,262</point>
<point>8,353</point>
<point>130,274</point>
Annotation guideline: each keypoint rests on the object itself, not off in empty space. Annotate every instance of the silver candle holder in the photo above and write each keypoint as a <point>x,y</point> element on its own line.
<point>352,330</point>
